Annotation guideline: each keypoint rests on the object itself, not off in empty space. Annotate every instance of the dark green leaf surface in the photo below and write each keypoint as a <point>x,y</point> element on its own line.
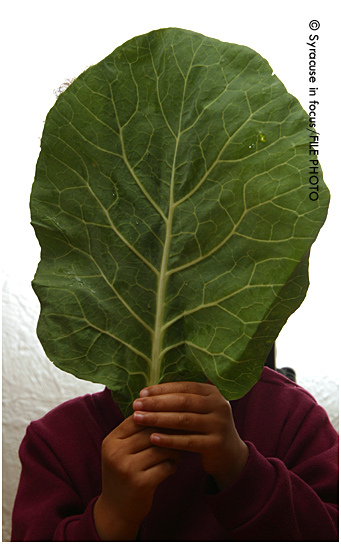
<point>171,203</point>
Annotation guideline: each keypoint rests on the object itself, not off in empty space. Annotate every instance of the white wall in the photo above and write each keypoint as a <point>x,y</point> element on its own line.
<point>48,42</point>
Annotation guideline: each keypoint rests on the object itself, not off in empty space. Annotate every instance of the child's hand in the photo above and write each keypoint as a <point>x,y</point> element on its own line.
<point>132,468</point>
<point>205,421</point>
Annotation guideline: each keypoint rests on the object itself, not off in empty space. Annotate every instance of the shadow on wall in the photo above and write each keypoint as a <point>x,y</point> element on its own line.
<point>32,385</point>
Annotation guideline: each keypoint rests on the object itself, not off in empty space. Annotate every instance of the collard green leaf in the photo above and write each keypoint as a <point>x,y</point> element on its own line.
<point>171,203</point>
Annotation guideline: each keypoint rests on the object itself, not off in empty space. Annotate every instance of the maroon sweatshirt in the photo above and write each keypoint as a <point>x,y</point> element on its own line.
<point>288,490</point>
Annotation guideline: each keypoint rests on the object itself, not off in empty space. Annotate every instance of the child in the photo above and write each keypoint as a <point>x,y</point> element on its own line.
<point>186,466</point>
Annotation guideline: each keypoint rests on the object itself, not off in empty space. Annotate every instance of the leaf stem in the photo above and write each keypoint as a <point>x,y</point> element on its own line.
<point>162,279</point>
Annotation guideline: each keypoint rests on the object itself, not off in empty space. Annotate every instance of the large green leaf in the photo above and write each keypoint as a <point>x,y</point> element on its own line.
<point>171,203</point>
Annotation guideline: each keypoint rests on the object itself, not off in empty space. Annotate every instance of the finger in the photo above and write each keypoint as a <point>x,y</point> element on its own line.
<point>186,442</point>
<point>131,438</point>
<point>185,421</point>
<point>127,428</point>
<point>155,455</point>
<point>140,441</point>
<point>177,387</point>
<point>174,402</point>
<point>157,473</point>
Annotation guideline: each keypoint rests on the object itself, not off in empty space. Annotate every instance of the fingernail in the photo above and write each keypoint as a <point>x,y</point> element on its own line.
<point>138,405</point>
<point>144,393</point>
<point>156,438</point>
<point>138,416</point>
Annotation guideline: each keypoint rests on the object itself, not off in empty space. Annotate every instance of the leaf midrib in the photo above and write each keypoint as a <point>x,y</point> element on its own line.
<point>162,279</point>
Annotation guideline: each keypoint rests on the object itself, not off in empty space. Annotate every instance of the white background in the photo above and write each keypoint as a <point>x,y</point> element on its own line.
<point>43,44</point>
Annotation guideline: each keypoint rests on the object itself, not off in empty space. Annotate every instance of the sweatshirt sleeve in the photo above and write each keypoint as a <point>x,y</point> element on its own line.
<point>42,515</point>
<point>289,499</point>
